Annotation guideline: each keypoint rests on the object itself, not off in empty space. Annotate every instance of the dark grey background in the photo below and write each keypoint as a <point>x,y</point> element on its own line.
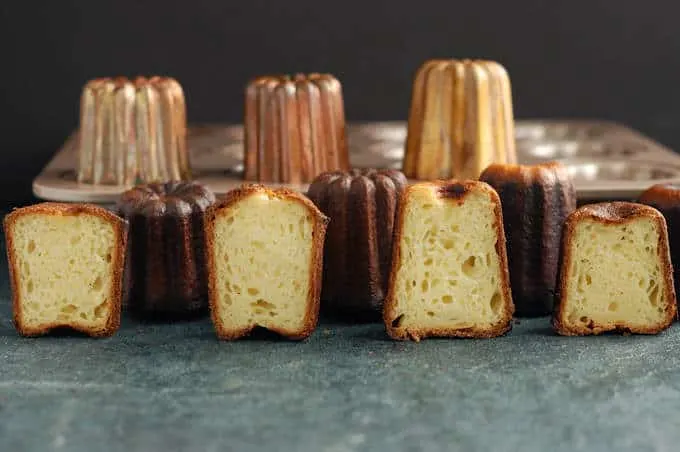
<point>613,59</point>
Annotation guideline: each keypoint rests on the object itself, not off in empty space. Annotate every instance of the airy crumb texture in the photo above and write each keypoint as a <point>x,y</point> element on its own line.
<point>616,272</point>
<point>449,273</point>
<point>66,265</point>
<point>264,250</point>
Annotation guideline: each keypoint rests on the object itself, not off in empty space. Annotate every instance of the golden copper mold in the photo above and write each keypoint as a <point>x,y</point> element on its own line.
<point>461,120</point>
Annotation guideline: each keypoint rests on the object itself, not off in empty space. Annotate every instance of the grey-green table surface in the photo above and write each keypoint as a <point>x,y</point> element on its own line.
<point>175,388</point>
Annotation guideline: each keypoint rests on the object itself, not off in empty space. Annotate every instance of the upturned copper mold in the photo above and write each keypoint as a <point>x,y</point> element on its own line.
<point>461,120</point>
<point>132,131</point>
<point>294,128</point>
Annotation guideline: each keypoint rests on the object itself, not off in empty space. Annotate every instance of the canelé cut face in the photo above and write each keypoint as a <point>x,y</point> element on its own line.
<point>449,276</point>
<point>615,275</point>
<point>65,269</point>
<point>262,257</point>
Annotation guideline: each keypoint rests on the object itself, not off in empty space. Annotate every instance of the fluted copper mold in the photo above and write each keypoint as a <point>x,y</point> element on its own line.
<point>132,131</point>
<point>294,128</point>
<point>461,120</point>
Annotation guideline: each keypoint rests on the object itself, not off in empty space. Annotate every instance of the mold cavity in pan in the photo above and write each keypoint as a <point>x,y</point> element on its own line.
<point>210,135</point>
<point>557,149</point>
<point>624,149</point>
<point>235,132</point>
<point>527,132</point>
<point>390,152</point>
<point>621,171</point>
<point>217,158</point>
<point>561,131</point>
<point>68,175</point>
<point>568,149</point>
<point>395,132</point>
<point>377,156</point>
<point>231,151</point>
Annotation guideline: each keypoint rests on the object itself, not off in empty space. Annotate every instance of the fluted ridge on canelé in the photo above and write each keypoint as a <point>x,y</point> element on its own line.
<point>294,128</point>
<point>536,200</point>
<point>166,264</point>
<point>362,205</point>
<point>460,121</point>
<point>132,131</point>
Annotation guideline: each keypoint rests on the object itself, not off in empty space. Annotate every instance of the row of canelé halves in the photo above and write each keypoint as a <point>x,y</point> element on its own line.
<point>434,252</point>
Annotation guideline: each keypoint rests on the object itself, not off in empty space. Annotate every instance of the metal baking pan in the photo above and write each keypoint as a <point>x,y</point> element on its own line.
<point>607,160</point>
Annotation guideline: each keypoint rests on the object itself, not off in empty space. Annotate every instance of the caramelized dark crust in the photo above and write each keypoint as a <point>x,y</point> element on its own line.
<point>118,258</point>
<point>666,199</point>
<point>166,264</point>
<point>294,128</point>
<point>362,205</point>
<point>536,201</point>
<point>452,191</point>
<point>222,207</point>
<point>613,213</point>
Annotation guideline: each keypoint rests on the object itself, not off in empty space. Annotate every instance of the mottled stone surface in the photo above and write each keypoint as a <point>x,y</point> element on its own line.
<point>174,387</point>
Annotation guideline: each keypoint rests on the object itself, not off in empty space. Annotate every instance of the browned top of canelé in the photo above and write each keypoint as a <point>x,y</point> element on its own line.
<point>613,212</point>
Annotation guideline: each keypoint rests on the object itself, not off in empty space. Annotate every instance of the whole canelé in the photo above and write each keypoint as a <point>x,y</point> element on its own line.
<point>536,201</point>
<point>362,205</point>
<point>166,273</point>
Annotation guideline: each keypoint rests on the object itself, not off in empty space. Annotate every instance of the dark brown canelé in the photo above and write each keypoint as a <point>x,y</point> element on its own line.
<point>166,266</point>
<point>362,205</point>
<point>666,199</point>
<point>536,201</point>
